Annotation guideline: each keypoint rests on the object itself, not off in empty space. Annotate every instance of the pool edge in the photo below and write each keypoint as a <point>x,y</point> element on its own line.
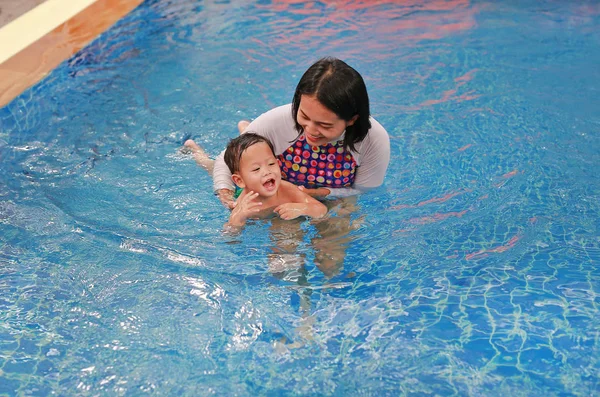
<point>40,57</point>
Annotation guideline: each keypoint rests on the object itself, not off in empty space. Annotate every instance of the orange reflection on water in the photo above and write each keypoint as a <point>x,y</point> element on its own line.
<point>450,95</point>
<point>501,248</point>
<point>505,177</point>
<point>346,27</point>
<point>441,199</point>
<point>380,33</point>
<point>510,174</point>
<point>438,216</point>
<point>467,76</point>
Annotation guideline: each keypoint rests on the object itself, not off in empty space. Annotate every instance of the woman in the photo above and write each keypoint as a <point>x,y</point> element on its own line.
<point>325,140</point>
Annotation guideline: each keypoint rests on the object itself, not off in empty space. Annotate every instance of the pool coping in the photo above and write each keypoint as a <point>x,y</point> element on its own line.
<point>38,41</point>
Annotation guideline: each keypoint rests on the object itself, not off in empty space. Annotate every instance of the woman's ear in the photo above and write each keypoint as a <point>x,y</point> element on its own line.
<point>237,179</point>
<point>351,121</point>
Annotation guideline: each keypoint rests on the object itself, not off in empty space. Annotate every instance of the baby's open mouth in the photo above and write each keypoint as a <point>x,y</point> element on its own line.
<point>269,184</point>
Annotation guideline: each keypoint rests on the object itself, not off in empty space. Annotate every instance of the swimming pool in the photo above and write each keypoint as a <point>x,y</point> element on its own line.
<point>474,270</point>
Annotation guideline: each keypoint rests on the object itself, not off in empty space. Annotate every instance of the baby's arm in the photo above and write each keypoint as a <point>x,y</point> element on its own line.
<point>301,204</point>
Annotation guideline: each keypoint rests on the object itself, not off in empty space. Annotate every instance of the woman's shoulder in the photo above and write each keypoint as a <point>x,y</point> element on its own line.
<point>375,145</point>
<point>377,135</point>
<point>377,130</point>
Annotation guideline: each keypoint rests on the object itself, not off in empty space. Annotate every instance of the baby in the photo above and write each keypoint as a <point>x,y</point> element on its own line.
<point>254,167</point>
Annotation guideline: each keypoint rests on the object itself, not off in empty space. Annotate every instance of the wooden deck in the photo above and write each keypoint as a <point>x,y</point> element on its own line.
<point>45,33</point>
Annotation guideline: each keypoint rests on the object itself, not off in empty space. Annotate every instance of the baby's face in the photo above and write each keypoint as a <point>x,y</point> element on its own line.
<point>259,170</point>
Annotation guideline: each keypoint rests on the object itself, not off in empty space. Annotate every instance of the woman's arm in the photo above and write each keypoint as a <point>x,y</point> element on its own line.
<point>374,155</point>
<point>312,207</point>
<point>319,192</point>
<point>223,185</point>
<point>226,197</point>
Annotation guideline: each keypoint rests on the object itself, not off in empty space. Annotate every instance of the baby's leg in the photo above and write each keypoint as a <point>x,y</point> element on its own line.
<point>200,156</point>
<point>242,126</point>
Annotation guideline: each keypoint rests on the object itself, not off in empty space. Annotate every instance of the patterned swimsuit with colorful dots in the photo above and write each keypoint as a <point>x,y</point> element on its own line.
<point>317,166</point>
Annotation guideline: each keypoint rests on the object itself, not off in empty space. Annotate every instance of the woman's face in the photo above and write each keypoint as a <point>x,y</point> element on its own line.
<point>320,124</point>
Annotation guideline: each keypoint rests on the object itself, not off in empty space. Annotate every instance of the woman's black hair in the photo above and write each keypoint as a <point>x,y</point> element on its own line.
<point>340,89</point>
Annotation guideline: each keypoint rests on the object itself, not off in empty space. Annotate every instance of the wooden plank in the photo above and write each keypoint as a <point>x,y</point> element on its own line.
<point>33,63</point>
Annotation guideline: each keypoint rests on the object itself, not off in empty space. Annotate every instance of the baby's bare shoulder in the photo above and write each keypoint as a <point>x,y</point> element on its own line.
<point>290,192</point>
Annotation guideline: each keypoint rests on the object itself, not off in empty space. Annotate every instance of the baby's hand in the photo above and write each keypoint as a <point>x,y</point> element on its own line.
<point>290,210</point>
<point>244,209</point>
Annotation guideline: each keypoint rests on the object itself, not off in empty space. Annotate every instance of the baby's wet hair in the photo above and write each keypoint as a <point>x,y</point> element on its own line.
<point>237,146</point>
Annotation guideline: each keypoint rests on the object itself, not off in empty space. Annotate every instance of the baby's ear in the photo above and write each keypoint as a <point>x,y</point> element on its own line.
<point>238,181</point>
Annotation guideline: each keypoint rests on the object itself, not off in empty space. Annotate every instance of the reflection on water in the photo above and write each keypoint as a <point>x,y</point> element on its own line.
<point>340,24</point>
<point>472,271</point>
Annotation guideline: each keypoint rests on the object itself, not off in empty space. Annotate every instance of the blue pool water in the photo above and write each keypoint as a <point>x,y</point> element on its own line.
<point>474,270</point>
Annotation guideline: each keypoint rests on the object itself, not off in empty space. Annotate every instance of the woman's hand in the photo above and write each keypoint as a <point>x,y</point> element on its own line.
<point>244,209</point>
<point>226,198</point>
<point>319,192</point>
